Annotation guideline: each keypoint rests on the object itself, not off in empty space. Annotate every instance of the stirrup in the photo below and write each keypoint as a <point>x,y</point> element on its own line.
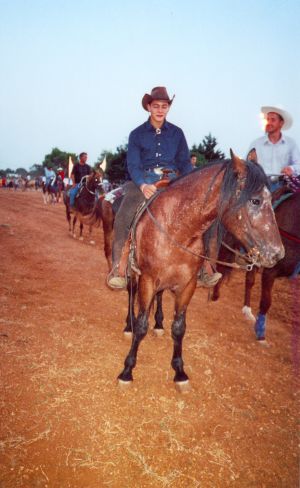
<point>208,281</point>
<point>114,281</point>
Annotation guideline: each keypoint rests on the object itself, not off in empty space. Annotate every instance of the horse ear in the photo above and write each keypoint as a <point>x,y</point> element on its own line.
<point>239,166</point>
<point>252,156</point>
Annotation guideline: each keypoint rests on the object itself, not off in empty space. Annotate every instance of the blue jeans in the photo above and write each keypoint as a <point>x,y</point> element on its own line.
<point>73,193</point>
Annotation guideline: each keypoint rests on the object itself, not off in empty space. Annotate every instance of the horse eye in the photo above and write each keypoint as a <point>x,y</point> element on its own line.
<point>255,201</point>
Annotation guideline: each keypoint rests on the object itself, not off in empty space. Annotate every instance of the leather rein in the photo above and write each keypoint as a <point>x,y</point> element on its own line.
<point>246,267</point>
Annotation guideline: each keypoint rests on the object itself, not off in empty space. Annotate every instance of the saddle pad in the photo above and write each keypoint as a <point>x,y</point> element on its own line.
<point>283,197</point>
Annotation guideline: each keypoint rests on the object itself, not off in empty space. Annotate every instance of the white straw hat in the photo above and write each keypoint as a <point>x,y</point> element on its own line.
<point>288,121</point>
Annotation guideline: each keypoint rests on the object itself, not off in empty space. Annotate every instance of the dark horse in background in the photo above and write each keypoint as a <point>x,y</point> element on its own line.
<point>53,190</point>
<point>169,248</point>
<point>287,216</point>
<point>87,207</point>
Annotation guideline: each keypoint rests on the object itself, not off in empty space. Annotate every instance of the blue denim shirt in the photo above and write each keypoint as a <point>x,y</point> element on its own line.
<point>149,148</point>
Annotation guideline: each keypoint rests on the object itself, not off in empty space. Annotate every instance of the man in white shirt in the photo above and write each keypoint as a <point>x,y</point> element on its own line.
<point>277,153</point>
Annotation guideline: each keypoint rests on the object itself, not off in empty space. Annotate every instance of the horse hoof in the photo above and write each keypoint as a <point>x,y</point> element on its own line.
<point>158,332</point>
<point>247,312</point>
<point>183,386</point>
<point>92,243</point>
<point>127,335</point>
<point>74,236</point>
<point>81,238</point>
<point>124,385</point>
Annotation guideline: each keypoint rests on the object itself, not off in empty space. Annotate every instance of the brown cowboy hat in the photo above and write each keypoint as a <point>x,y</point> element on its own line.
<point>157,93</point>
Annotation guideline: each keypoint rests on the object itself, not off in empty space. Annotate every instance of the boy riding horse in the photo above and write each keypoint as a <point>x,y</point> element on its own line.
<point>154,147</point>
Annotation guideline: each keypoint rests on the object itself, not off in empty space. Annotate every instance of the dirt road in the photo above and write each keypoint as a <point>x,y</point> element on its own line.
<point>64,421</point>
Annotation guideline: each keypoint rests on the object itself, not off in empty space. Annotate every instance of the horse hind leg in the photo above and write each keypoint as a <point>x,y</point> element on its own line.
<point>267,282</point>
<point>159,316</point>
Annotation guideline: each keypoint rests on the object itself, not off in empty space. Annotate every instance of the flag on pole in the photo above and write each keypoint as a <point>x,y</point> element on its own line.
<point>103,164</point>
<point>70,167</point>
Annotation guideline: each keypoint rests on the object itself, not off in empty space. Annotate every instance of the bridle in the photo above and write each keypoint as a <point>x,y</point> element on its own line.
<point>84,184</point>
<point>245,257</point>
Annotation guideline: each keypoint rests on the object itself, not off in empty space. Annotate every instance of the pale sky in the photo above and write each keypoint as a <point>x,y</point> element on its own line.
<point>73,73</point>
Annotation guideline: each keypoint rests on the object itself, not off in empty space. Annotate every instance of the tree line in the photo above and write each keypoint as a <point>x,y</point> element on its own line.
<point>116,168</point>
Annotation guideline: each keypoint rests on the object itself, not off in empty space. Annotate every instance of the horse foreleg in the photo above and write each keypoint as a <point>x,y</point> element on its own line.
<point>108,225</point>
<point>90,235</point>
<point>68,215</point>
<point>140,329</point>
<point>159,315</point>
<point>267,282</point>
<point>108,237</point>
<point>73,226</point>
<point>178,330</point>
<point>249,283</point>
<point>81,231</point>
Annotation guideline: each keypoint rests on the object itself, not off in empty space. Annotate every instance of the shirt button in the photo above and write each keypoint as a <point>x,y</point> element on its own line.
<point>158,143</point>
<point>157,155</point>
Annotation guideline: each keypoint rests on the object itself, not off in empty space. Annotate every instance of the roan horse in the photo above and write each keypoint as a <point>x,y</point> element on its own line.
<point>169,246</point>
<point>87,207</point>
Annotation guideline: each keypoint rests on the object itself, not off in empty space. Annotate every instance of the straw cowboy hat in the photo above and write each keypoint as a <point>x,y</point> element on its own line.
<point>157,93</point>
<point>288,121</point>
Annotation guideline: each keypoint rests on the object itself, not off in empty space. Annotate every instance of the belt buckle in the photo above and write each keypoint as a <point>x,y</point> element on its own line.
<point>158,171</point>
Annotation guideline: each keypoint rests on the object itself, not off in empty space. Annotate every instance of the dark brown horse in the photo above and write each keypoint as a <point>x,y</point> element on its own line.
<point>288,220</point>
<point>86,208</point>
<point>232,195</point>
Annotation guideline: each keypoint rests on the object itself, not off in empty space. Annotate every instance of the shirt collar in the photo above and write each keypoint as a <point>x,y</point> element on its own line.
<point>150,127</point>
<point>282,139</point>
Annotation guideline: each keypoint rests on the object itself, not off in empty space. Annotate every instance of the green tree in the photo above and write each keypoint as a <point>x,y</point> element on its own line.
<point>116,167</point>
<point>22,172</point>
<point>36,170</point>
<point>58,158</point>
<point>207,148</point>
<point>9,171</point>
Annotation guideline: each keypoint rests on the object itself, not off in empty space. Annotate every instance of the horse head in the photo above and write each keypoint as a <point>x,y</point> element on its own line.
<point>94,181</point>
<point>248,212</point>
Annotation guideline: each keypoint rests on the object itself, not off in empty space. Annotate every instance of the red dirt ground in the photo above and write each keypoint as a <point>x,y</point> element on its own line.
<point>64,421</point>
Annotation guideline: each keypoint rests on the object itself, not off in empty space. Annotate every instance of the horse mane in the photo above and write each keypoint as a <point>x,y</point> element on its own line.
<point>255,180</point>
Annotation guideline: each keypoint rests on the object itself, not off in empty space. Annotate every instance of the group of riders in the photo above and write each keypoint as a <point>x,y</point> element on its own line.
<point>52,178</point>
<point>158,148</point>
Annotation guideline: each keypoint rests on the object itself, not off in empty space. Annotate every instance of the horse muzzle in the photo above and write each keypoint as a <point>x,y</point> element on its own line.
<point>266,258</point>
